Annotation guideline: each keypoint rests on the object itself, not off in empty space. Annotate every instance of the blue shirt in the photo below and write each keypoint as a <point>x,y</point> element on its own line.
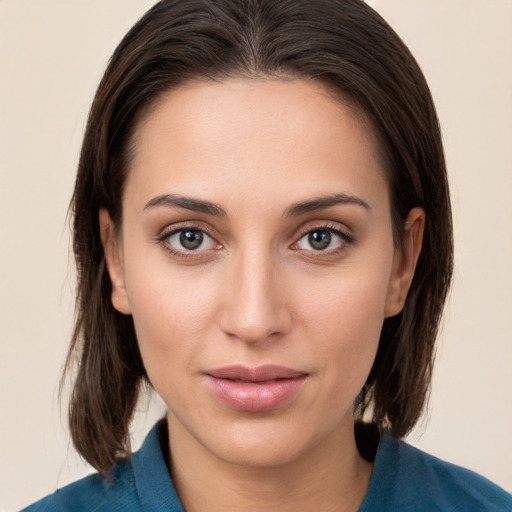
<point>403,479</point>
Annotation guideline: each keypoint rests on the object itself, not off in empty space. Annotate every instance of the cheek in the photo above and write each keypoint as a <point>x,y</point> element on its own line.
<point>172,315</point>
<point>345,316</point>
<point>354,298</point>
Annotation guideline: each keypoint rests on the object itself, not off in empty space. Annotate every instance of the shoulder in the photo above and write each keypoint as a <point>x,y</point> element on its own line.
<point>141,482</point>
<point>450,486</point>
<point>409,479</point>
<point>116,492</point>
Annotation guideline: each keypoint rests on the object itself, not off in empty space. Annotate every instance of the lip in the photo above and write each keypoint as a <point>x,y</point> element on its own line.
<point>258,389</point>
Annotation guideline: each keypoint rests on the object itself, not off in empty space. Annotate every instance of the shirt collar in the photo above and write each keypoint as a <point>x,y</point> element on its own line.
<point>154,486</point>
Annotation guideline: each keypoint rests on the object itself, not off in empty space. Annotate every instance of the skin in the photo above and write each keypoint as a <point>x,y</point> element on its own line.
<point>256,291</point>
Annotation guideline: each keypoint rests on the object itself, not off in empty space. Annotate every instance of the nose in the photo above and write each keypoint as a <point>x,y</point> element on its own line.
<point>255,307</point>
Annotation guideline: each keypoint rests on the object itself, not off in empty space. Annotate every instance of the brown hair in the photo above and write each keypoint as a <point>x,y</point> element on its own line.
<point>348,48</point>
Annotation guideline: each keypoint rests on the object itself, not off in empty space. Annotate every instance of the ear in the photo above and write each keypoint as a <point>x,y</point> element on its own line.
<point>404,261</point>
<point>114,261</point>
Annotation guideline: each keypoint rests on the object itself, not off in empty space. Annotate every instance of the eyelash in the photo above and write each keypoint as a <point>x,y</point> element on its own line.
<point>345,239</point>
<point>163,239</point>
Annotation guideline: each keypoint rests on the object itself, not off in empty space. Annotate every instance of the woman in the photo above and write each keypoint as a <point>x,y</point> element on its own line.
<point>262,232</point>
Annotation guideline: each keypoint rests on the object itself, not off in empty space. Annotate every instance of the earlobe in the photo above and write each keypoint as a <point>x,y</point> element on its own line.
<point>404,263</point>
<point>113,260</point>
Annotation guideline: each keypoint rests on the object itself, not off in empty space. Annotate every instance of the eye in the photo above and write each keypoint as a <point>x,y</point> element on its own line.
<point>323,240</point>
<point>189,240</point>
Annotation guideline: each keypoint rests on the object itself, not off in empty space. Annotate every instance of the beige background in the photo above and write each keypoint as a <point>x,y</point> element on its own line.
<point>52,53</point>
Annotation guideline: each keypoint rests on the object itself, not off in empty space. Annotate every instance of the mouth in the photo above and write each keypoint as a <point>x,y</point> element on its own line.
<point>255,389</point>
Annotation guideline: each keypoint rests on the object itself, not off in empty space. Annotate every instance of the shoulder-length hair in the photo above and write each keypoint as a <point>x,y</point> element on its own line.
<point>351,50</point>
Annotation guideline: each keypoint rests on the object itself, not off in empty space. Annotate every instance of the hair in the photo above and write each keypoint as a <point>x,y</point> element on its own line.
<point>351,50</point>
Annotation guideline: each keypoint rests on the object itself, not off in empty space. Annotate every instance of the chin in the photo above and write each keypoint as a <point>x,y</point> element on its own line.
<point>262,443</point>
<point>262,453</point>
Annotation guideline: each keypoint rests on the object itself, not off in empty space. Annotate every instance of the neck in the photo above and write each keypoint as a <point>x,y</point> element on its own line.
<point>330,476</point>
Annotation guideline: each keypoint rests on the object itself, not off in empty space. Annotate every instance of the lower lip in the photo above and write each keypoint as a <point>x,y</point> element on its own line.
<point>255,396</point>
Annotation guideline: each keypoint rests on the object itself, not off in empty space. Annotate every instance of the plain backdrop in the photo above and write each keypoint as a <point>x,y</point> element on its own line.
<point>52,54</point>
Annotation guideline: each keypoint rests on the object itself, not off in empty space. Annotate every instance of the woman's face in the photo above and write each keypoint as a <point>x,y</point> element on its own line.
<point>256,256</point>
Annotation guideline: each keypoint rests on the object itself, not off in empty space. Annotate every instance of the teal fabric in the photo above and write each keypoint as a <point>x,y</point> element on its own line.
<point>404,480</point>
<point>140,484</point>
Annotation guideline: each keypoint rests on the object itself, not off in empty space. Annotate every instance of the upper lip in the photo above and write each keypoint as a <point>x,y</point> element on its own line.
<point>255,374</point>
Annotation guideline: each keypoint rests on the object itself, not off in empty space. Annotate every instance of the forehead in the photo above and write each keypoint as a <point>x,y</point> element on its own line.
<point>257,135</point>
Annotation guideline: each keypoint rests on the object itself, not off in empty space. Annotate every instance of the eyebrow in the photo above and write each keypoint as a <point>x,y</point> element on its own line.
<point>297,209</point>
<point>325,202</point>
<point>188,203</point>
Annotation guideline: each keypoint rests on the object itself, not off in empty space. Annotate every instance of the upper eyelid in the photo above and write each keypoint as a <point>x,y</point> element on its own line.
<point>183,226</point>
<point>332,226</point>
<point>337,232</point>
<point>335,227</point>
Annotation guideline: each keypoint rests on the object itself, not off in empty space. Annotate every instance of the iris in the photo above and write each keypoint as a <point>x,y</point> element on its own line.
<point>191,239</point>
<point>319,240</point>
